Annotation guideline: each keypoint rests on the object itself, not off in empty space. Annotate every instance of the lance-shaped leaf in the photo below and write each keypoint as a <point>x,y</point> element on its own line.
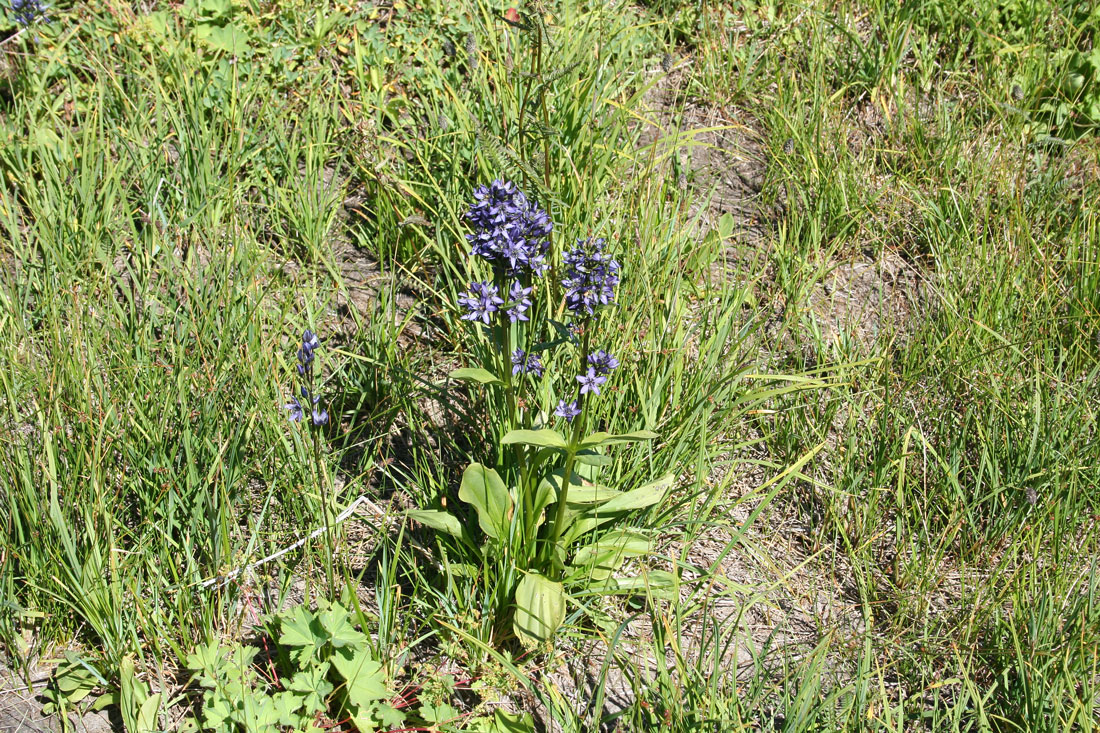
<point>540,608</point>
<point>659,584</point>
<point>580,490</point>
<point>484,490</point>
<point>544,438</point>
<point>591,457</point>
<point>475,374</point>
<point>601,438</point>
<point>639,498</point>
<point>604,556</point>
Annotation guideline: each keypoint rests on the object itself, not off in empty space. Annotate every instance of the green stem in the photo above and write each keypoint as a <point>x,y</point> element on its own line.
<point>322,481</point>
<point>570,460</point>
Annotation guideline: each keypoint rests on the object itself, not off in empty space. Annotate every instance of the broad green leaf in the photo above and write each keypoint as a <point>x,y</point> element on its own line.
<point>545,438</point>
<point>502,722</point>
<point>483,489</point>
<point>438,714</point>
<point>259,713</point>
<point>591,494</point>
<point>639,498</point>
<point>596,439</point>
<point>137,707</point>
<point>603,557</point>
<point>363,677</point>
<point>301,630</point>
<point>505,722</point>
<point>205,659</point>
<point>580,491</point>
<point>551,485</point>
<point>75,679</point>
<point>229,38</point>
<point>437,520</point>
<point>540,608</point>
<point>288,706</point>
<point>660,584</point>
<point>545,495</point>
<point>389,716</point>
<point>312,687</point>
<point>620,544</point>
<point>591,457</point>
<point>474,374</point>
<point>147,715</point>
<point>463,569</point>
<point>106,700</point>
<point>341,633</point>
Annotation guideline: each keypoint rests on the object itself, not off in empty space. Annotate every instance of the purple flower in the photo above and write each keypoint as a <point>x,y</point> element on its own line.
<point>310,343</point>
<point>519,302</point>
<point>591,381</point>
<point>591,276</point>
<point>509,230</point>
<point>603,362</point>
<point>568,410</point>
<point>481,302</point>
<point>28,11</point>
<point>295,408</point>
<point>523,363</point>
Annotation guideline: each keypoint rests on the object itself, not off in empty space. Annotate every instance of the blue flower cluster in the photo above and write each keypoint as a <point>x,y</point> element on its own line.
<point>602,362</point>
<point>524,363</point>
<point>512,233</point>
<point>568,410</point>
<point>310,343</point>
<point>509,230</point>
<point>591,276</point>
<point>28,11</point>
<point>481,301</point>
<point>600,365</point>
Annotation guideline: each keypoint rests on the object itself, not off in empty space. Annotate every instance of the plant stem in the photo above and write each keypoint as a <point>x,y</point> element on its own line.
<point>570,460</point>
<point>322,481</point>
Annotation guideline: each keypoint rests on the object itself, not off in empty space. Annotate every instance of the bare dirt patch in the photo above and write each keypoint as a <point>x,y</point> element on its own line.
<point>869,299</point>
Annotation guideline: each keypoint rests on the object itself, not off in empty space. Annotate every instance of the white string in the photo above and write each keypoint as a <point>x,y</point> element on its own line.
<point>342,516</point>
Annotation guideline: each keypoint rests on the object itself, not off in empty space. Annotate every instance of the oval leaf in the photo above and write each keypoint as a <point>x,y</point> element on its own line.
<point>484,490</point>
<point>540,608</point>
<point>439,521</point>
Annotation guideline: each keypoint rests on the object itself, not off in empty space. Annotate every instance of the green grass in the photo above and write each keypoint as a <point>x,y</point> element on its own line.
<point>182,193</point>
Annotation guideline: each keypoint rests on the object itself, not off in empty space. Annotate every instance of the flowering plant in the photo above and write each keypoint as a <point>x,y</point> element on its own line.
<point>539,505</point>
<point>309,406</point>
